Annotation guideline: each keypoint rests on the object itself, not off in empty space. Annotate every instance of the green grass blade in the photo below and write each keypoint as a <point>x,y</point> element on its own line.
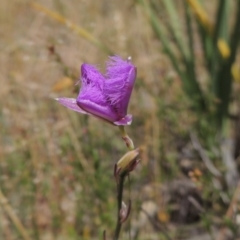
<point>220,32</point>
<point>205,29</point>
<point>161,35</point>
<point>190,64</point>
<point>224,74</point>
<point>201,15</point>
<point>188,20</point>
<point>176,28</point>
<point>190,85</point>
<point>188,58</point>
<point>220,29</point>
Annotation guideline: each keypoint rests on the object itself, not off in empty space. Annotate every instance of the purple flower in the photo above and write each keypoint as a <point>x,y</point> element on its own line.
<point>105,96</point>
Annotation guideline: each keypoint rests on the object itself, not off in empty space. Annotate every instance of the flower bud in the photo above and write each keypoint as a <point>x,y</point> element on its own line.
<point>128,162</point>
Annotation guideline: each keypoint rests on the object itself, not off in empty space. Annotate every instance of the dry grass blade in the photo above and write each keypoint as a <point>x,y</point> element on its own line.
<point>6,206</point>
<point>74,140</point>
<point>160,32</point>
<point>205,158</point>
<point>231,211</point>
<point>80,31</point>
<point>201,15</point>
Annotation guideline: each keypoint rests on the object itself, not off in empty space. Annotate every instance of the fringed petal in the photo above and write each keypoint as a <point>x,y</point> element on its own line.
<point>91,97</point>
<point>120,79</point>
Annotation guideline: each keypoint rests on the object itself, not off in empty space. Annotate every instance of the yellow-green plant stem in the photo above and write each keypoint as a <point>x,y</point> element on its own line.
<point>126,138</point>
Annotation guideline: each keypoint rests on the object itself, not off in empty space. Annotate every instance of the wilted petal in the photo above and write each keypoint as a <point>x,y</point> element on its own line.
<point>91,97</point>
<point>118,86</point>
<point>71,103</point>
<point>127,120</point>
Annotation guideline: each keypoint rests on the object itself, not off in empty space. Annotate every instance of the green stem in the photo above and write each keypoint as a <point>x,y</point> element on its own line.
<point>119,200</point>
<point>120,184</point>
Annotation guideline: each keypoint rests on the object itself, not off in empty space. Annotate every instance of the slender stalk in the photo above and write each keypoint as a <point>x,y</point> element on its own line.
<point>126,138</point>
<point>119,201</point>
<point>230,214</point>
<point>120,177</point>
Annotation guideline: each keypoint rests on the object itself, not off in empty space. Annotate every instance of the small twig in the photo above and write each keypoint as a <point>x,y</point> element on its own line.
<point>201,210</point>
<point>196,204</point>
<point>208,163</point>
<point>104,235</point>
<point>217,184</point>
<point>16,221</point>
<point>231,173</point>
<point>204,156</point>
<point>157,225</point>
<point>231,211</point>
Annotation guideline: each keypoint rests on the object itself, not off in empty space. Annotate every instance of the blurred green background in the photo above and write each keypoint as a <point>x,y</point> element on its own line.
<point>56,166</point>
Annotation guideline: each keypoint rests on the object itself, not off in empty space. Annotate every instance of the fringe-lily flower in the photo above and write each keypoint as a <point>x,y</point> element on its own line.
<point>105,96</point>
